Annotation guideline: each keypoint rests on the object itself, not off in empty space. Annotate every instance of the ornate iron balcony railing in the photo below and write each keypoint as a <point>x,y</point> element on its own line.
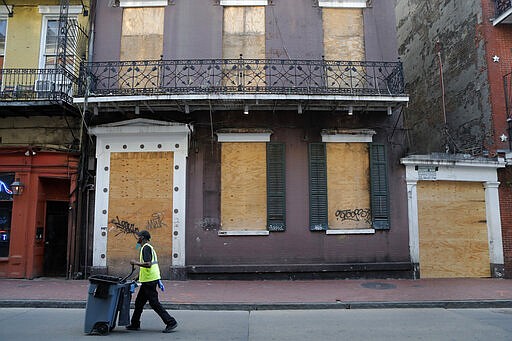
<point>21,85</point>
<point>501,6</point>
<point>235,76</point>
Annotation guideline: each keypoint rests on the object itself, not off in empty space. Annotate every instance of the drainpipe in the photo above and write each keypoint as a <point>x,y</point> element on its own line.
<point>441,80</point>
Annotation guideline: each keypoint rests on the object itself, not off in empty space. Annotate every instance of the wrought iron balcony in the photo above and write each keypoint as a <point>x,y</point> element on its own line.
<point>240,76</point>
<point>502,12</point>
<point>43,86</point>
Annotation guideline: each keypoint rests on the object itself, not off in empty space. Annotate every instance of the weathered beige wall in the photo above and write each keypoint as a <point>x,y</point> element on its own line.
<point>23,38</point>
<point>243,186</point>
<point>348,168</point>
<point>140,197</point>
<point>452,229</point>
<point>39,130</point>
<point>142,33</point>
<point>343,34</point>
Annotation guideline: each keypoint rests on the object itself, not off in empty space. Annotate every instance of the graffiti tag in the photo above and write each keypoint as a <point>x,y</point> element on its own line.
<point>156,221</point>
<point>358,214</point>
<point>123,226</point>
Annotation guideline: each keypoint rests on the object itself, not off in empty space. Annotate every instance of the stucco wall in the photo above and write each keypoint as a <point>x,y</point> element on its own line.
<point>297,245</point>
<point>40,130</point>
<point>451,27</point>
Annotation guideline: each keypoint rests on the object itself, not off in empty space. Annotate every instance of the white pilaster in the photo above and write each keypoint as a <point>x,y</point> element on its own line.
<point>492,205</point>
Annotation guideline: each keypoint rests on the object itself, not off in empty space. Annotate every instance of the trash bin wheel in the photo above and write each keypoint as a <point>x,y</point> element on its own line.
<point>102,328</point>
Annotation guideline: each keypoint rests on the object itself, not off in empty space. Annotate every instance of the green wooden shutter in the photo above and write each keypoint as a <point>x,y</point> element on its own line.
<point>317,187</point>
<point>276,185</point>
<point>379,187</point>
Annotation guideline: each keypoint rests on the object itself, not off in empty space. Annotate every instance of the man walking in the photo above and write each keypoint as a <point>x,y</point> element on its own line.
<point>149,276</point>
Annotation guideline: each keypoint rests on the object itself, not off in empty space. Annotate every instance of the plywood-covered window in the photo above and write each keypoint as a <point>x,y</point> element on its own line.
<point>244,34</point>
<point>344,41</point>
<point>348,184</point>
<point>252,185</point>
<point>142,33</point>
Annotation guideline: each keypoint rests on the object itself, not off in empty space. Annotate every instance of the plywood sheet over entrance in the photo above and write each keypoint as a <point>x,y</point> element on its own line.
<point>140,198</point>
<point>453,238</point>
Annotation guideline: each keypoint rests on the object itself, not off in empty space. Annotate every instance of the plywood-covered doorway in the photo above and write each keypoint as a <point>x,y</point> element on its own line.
<point>141,196</point>
<point>453,238</point>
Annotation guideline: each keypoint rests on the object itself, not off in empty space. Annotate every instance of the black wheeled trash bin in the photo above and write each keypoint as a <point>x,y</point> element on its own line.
<point>109,297</point>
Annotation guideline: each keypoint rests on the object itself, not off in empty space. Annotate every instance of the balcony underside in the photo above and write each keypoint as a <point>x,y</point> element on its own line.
<point>37,108</point>
<point>241,102</point>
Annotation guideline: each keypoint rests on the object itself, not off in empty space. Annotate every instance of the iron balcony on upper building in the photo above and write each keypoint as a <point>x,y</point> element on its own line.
<point>502,12</point>
<point>22,90</point>
<point>260,84</point>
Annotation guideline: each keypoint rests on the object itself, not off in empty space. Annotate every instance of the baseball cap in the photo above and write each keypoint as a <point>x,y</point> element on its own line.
<point>144,234</point>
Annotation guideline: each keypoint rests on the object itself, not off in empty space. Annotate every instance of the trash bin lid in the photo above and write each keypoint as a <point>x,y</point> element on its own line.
<point>104,279</point>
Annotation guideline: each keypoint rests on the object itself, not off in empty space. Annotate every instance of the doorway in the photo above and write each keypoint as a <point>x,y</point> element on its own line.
<point>56,239</point>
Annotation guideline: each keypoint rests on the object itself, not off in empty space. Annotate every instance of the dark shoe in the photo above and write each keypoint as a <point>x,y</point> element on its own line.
<point>170,327</point>
<point>132,327</point>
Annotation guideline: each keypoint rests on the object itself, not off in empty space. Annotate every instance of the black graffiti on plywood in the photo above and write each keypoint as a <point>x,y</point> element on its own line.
<point>156,221</point>
<point>124,226</point>
<point>358,214</point>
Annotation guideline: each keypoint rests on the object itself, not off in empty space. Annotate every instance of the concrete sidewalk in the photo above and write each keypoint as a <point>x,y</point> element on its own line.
<point>274,294</point>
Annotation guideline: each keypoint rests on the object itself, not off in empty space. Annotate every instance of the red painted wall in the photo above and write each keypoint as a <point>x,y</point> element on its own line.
<point>47,176</point>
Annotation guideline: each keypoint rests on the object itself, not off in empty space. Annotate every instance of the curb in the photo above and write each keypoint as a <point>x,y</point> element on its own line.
<point>467,304</point>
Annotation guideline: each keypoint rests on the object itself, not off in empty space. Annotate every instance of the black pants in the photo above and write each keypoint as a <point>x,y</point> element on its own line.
<point>147,292</point>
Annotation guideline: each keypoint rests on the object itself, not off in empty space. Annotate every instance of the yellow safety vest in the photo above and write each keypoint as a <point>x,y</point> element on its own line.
<point>152,273</point>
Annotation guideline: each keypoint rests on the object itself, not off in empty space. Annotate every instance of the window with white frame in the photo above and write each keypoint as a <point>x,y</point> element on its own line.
<point>50,36</point>
<point>3,38</point>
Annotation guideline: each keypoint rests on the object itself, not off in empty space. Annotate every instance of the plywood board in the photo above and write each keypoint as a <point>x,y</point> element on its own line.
<point>142,28</point>
<point>140,198</point>
<point>348,184</point>
<point>343,34</point>
<point>453,237</point>
<point>244,32</point>
<point>243,186</point>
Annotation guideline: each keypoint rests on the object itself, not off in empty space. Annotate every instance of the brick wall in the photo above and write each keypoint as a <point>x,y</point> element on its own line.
<point>505,177</point>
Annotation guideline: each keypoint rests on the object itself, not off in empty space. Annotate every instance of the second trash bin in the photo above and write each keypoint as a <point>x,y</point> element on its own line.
<point>108,298</point>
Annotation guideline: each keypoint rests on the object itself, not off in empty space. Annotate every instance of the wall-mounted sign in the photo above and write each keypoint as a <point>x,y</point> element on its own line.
<point>427,173</point>
<point>6,179</point>
<point>4,188</point>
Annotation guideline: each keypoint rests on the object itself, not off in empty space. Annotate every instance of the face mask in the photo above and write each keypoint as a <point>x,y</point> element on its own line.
<point>137,246</point>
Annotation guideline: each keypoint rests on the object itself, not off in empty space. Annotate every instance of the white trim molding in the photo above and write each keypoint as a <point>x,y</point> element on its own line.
<point>143,3</point>
<point>445,167</point>
<point>74,10</point>
<point>342,3</point>
<point>243,2</point>
<point>244,137</point>
<point>348,135</point>
<point>140,135</point>
<point>243,233</point>
<point>4,12</point>
<point>351,231</point>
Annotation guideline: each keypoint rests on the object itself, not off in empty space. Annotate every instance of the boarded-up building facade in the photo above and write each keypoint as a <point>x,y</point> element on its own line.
<point>252,139</point>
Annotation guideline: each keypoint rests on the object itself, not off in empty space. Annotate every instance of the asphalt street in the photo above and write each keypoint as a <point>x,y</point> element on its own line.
<point>341,324</point>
